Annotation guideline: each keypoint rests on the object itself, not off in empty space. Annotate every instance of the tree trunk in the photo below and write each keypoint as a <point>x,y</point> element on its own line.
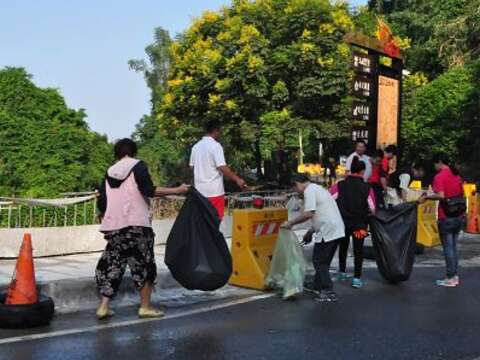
<point>258,160</point>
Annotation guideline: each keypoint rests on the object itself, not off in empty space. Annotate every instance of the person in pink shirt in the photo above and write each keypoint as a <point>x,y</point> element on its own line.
<point>124,207</point>
<point>448,184</point>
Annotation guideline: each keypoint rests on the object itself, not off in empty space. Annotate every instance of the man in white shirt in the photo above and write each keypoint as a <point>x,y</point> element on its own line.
<point>360,150</point>
<point>327,231</point>
<point>209,166</point>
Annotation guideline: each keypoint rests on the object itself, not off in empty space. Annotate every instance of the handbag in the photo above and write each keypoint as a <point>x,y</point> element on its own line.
<point>454,206</point>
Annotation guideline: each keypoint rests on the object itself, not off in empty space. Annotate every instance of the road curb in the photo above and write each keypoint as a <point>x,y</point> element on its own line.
<point>71,295</point>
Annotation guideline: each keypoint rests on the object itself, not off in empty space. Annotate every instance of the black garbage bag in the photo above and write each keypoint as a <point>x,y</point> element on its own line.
<point>394,235</point>
<point>197,254</point>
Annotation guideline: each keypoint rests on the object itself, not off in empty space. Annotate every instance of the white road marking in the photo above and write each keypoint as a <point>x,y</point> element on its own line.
<point>120,324</point>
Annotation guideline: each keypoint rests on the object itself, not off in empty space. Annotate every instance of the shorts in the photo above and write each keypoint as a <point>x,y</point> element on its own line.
<point>218,203</point>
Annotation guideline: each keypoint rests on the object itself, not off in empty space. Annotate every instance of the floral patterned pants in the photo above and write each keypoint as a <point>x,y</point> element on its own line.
<point>133,246</point>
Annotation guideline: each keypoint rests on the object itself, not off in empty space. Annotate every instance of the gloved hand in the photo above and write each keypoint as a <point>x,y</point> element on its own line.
<point>360,234</point>
<point>307,238</point>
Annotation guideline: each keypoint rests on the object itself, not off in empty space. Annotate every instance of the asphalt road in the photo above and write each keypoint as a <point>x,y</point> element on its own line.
<point>415,320</point>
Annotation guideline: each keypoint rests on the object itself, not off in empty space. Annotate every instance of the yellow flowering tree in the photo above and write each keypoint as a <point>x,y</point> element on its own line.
<point>264,69</point>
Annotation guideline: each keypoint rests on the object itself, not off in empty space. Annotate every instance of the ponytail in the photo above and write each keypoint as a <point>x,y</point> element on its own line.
<point>357,165</point>
<point>454,169</point>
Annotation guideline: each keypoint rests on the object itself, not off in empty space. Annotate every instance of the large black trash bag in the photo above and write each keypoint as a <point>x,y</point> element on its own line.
<point>196,252</point>
<point>394,235</point>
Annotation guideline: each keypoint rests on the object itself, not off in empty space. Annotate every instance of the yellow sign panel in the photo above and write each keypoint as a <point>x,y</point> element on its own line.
<point>388,108</point>
<point>427,229</point>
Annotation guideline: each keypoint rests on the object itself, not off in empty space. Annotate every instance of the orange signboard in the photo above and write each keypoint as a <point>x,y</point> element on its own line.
<point>388,108</point>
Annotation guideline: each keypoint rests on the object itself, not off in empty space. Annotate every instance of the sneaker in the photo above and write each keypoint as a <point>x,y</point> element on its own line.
<point>446,282</point>
<point>150,313</point>
<point>104,313</point>
<point>326,297</point>
<point>456,279</point>
<point>332,297</point>
<point>357,283</point>
<point>310,287</point>
<point>342,276</point>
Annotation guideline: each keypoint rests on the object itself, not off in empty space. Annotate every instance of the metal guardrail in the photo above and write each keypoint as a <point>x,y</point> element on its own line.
<point>20,215</point>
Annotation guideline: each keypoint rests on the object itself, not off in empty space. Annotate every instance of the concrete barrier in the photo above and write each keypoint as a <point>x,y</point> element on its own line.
<point>54,241</point>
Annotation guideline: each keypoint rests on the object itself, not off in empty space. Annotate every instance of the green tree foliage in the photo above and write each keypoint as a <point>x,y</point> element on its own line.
<point>443,34</point>
<point>159,151</point>
<point>156,69</point>
<point>264,69</point>
<point>468,148</point>
<point>442,116</point>
<point>45,147</point>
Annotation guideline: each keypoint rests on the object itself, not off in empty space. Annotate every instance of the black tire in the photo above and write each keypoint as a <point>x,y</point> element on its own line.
<point>369,253</point>
<point>26,316</point>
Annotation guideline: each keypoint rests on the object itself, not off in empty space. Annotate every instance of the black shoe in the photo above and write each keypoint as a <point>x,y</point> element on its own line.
<point>309,287</point>
<point>332,296</point>
<point>326,297</point>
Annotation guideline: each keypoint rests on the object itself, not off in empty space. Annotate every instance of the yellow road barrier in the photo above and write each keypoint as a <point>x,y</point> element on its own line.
<point>254,236</point>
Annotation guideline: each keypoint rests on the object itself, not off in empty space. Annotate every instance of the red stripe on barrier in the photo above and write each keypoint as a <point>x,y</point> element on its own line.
<point>265,229</point>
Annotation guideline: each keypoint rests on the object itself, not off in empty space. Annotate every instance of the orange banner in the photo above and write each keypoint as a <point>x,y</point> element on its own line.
<point>388,107</point>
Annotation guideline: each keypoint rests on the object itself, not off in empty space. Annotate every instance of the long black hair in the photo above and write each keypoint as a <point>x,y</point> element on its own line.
<point>444,159</point>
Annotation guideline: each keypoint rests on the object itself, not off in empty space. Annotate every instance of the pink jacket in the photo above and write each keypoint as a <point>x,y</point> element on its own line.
<point>126,206</point>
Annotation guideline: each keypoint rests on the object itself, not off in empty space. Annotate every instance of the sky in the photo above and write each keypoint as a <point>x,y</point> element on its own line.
<point>82,49</point>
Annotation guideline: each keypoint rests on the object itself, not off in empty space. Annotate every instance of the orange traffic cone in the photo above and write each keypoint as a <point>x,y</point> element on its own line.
<point>473,226</point>
<point>23,289</point>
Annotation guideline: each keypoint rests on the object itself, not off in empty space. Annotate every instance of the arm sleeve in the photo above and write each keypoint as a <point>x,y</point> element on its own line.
<point>348,164</point>
<point>310,202</point>
<point>102,199</point>
<point>404,181</point>
<point>144,180</point>
<point>371,201</point>
<point>191,159</point>
<point>219,157</point>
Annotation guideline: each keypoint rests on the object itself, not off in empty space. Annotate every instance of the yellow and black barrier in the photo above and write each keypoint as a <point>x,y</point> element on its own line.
<point>254,236</point>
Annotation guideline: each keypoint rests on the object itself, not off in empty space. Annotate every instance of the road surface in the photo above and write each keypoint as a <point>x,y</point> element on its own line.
<point>415,320</point>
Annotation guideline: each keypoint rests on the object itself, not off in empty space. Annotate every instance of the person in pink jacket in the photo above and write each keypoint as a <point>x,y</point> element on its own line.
<point>124,206</point>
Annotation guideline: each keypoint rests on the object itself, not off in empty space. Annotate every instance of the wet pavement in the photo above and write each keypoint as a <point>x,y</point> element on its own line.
<point>414,320</point>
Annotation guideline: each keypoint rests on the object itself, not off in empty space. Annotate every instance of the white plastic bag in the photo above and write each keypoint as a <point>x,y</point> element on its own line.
<point>287,270</point>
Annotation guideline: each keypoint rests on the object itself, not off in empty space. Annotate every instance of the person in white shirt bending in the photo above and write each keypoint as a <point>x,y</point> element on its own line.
<point>327,230</point>
<point>360,151</point>
<point>209,167</point>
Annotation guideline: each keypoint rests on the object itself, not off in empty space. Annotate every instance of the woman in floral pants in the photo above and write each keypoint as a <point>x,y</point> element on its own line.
<point>124,205</point>
<point>133,246</point>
